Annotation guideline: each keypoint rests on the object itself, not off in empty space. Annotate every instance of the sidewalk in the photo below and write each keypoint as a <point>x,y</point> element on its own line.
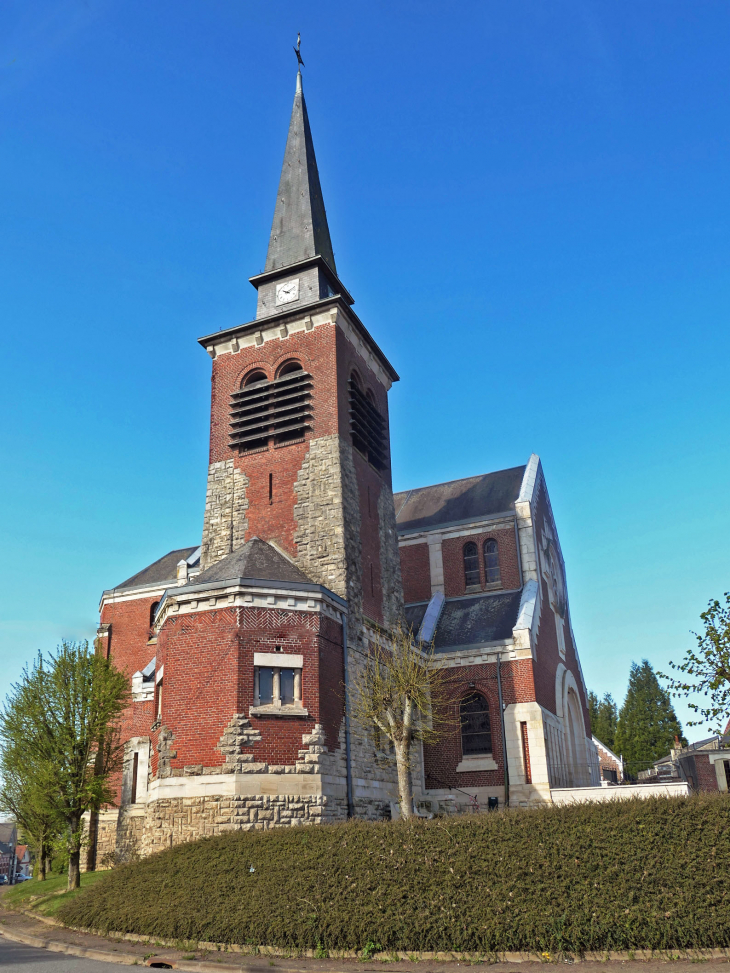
<point>23,928</point>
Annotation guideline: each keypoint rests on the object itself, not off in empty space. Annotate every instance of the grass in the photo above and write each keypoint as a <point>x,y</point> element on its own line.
<point>47,897</point>
<point>649,874</point>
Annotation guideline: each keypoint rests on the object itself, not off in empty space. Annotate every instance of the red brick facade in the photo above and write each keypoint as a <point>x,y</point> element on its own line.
<point>442,759</point>
<point>208,660</point>
<point>453,555</point>
<point>416,572</point>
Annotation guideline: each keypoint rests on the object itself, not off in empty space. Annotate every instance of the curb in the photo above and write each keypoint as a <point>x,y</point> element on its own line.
<point>109,956</point>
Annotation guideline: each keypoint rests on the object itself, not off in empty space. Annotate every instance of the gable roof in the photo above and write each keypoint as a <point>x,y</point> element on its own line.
<point>256,560</point>
<point>472,620</point>
<point>458,501</point>
<point>160,571</point>
<point>8,837</point>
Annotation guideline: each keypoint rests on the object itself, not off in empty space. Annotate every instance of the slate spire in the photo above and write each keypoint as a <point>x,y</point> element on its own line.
<point>299,230</point>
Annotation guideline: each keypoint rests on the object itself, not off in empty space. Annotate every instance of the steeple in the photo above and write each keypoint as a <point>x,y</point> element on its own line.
<point>299,231</point>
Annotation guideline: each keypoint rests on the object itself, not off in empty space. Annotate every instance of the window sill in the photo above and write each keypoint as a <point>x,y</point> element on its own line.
<point>271,709</point>
<point>472,589</point>
<point>492,585</point>
<point>481,762</point>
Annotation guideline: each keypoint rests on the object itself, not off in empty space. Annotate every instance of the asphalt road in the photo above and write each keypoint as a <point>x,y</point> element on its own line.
<point>16,956</point>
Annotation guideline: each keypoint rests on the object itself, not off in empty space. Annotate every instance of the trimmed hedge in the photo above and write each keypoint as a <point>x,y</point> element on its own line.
<point>626,875</point>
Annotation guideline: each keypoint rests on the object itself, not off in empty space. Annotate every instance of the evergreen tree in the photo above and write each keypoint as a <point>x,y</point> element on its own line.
<point>593,705</point>
<point>604,716</point>
<point>647,723</point>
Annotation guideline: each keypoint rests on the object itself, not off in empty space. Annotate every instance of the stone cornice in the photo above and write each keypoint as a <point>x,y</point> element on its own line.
<point>249,593</point>
<point>332,310</point>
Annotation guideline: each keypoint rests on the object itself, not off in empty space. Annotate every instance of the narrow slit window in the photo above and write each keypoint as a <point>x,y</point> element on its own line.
<point>271,487</point>
<point>476,727</point>
<point>471,564</point>
<point>135,771</point>
<point>491,562</point>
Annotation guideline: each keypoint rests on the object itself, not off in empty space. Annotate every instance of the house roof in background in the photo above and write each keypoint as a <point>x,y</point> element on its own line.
<point>160,571</point>
<point>458,501</point>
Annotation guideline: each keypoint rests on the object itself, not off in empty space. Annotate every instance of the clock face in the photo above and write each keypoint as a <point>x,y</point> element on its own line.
<point>287,292</point>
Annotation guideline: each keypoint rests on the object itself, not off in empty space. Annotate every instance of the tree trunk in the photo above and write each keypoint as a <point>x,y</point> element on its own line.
<point>74,869</point>
<point>74,860</point>
<point>402,759</point>
<point>41,850</point>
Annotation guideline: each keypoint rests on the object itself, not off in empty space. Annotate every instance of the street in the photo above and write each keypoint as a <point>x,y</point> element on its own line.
<point>16,956</point>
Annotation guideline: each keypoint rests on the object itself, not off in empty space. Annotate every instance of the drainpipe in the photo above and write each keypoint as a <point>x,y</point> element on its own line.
<point>519,555</point>
<point>504,735</point>
<point>348,756</point>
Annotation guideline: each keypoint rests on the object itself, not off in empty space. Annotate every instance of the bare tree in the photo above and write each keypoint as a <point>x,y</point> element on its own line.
<point>403,691</point>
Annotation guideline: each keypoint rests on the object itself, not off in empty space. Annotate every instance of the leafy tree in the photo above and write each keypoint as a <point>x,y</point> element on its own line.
<point>604,716</point>
<point>65,712</point>
<point>401,692</point>
<point>706,669</point>
<point>23,793</point>
<point>647,723</point>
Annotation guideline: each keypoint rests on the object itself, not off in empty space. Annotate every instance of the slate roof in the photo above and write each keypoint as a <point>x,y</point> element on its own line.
<point>299,229</point>
<point>471,620</point>
<point>8,837</point>
<point>458,501</point>
<point>160,571</point>
<point>254,559</point>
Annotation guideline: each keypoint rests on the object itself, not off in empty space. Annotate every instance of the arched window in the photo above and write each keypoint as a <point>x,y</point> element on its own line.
<point>491,562</point>
<point>476,729</point>
<point>153,610</point>
<point>471,564</point>
<point>278,410</point>
<point>367,426</point>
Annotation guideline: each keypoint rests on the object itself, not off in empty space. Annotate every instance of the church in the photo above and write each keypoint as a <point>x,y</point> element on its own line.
<point>239,647</point>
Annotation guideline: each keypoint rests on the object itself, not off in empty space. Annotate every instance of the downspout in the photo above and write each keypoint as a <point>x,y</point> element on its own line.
<point>348,755</point>
<point>504,735</point>
<point>519,555</point>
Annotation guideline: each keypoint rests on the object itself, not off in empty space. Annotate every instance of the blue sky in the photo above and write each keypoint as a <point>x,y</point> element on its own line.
<point>528,201</point>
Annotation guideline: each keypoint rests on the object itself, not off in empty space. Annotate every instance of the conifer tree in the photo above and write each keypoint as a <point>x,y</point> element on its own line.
<point>604,716</point>
<point>647,723</point>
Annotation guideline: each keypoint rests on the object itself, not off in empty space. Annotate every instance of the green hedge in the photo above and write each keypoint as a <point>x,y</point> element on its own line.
<point>641,874</point>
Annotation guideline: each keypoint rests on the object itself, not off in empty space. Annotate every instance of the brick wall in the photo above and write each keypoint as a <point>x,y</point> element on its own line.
<point>416,572</point>
<point>441,759</point>
<point>453,557</point>
<point>705,771</point>
<point>209,676</point>
<point>130,652</point>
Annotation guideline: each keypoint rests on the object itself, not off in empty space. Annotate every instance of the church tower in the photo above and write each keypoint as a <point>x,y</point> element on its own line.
<point>299,438</point>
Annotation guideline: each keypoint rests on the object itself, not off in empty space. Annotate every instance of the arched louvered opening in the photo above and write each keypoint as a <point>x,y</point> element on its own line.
<point>476,727</point>
<point>264,411</point>
<point>491,562</point>
<point>367,426</point>
<point>471,565</point>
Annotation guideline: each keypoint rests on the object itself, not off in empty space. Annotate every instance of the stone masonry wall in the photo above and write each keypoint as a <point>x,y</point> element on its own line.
<point>174,821</point>
<point>321,512</point>
<point>225,522</point>
<point>392,584</point>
